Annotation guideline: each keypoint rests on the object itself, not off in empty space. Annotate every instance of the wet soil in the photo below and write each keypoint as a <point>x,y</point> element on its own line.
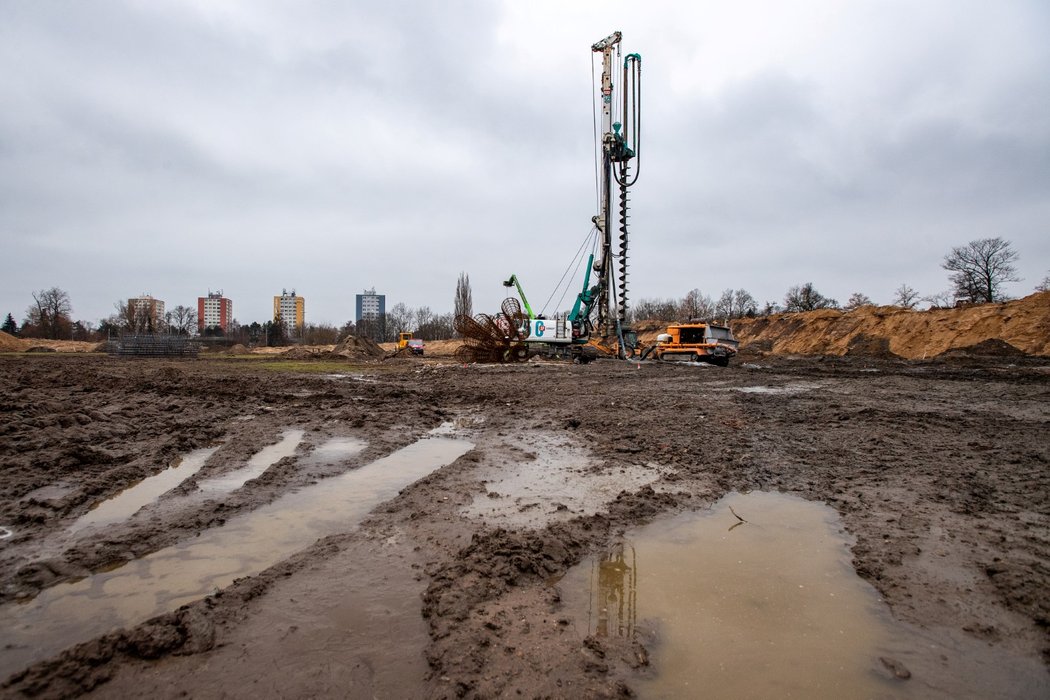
<point>939,470</point>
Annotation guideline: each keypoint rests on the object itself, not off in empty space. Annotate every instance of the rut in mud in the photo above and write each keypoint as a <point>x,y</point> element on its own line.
<point>938,471</point>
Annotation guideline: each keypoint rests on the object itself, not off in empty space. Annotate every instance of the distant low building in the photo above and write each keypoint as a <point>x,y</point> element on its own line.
<point>146,314</point>
<point>291,309</point>
<point>214,311</point>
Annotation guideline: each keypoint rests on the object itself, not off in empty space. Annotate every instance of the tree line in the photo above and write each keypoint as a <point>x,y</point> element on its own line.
<point>50,316</point>
<point>978,272</point>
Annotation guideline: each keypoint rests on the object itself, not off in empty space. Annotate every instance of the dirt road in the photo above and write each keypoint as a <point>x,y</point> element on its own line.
<point>448,586</point>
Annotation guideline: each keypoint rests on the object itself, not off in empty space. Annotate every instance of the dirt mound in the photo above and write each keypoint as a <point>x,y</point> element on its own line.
<point>1024,324</point>
<point>443,348</point>
<point>237,349</point>
<point>9,343</point>
<point>297,353</point>
<point>359,348</point>
<point>402,352</point>
<point>993,347</point>
<point>866,346</point>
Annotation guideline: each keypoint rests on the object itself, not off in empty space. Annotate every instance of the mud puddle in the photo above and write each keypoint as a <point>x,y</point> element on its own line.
<point>553,479</point>
<point>334,450</point>
<point>792,388</point>
<point>127,503</point>
<point>259,463</point>
<point>70,613</point>
<point>770,607</point>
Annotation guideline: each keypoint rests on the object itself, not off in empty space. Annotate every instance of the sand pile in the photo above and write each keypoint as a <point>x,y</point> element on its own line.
<point>9,343</point>
<point>237,349</point>
<point>884,331</point>
<point>355,348</point>
<point>298,353</point>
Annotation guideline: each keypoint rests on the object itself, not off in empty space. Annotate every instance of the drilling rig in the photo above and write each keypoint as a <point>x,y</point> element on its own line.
<point>600,309</point>
<point>620,139</point>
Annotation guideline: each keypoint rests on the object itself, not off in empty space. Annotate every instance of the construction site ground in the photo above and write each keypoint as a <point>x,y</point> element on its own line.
<point>939,469</point>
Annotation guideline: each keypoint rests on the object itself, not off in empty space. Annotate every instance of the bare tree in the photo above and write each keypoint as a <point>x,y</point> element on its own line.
<point>182,320</point>
<point>980,268</point>
<point>464,305</point>
<point>423,317</point>
<point>857,300</point>
<point>805,297</point>
<point>696,304</point>
<point>940,300</point>
<point>132,318</point>
<point>735,303</point>
<point>745,303</point>
<point>905,297</point>
<point>320,334</point>
<point>1043,286</point>
<point>50,313</point>
<point>398,320</point>
<point>655,310</point>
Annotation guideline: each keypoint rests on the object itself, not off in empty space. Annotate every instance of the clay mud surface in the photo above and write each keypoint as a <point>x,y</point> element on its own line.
<point>939,471</point>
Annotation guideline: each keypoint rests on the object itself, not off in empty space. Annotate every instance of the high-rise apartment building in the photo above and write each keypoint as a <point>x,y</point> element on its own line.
<point>291,309</point>
<point>145,313</point>
<point>214,311</point>
<point>370,306</point>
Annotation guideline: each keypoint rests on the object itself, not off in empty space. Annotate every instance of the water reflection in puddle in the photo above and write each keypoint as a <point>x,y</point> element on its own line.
<point>70,613</point>
<point>767,608</point>
<point>259,463</point>
<point>336,449</point>
<point>792,388</point>
<point>124,505</point>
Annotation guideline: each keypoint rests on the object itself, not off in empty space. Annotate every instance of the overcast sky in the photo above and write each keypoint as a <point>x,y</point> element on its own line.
<point>179,146</point>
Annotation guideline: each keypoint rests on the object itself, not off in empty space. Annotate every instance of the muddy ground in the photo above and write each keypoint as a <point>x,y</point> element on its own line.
<point>939,470</point>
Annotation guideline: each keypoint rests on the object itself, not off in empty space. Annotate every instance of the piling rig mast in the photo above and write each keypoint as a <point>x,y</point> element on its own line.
<point>600,309</point>
<point>619,145</point>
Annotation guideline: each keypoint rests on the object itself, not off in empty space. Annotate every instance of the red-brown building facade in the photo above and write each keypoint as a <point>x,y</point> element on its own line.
<point>214,311</point>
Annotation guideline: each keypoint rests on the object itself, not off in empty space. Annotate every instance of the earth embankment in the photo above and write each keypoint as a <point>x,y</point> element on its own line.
<point>914,335</point>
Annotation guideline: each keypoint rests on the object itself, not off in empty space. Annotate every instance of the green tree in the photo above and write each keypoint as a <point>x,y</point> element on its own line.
<point>9,327</point>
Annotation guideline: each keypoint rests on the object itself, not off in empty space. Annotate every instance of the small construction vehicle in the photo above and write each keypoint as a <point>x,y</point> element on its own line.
<point>694,342</point>
<point>414,345</point>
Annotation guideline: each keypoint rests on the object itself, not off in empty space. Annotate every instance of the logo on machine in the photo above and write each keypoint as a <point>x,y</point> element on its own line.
<point>540,328</point>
